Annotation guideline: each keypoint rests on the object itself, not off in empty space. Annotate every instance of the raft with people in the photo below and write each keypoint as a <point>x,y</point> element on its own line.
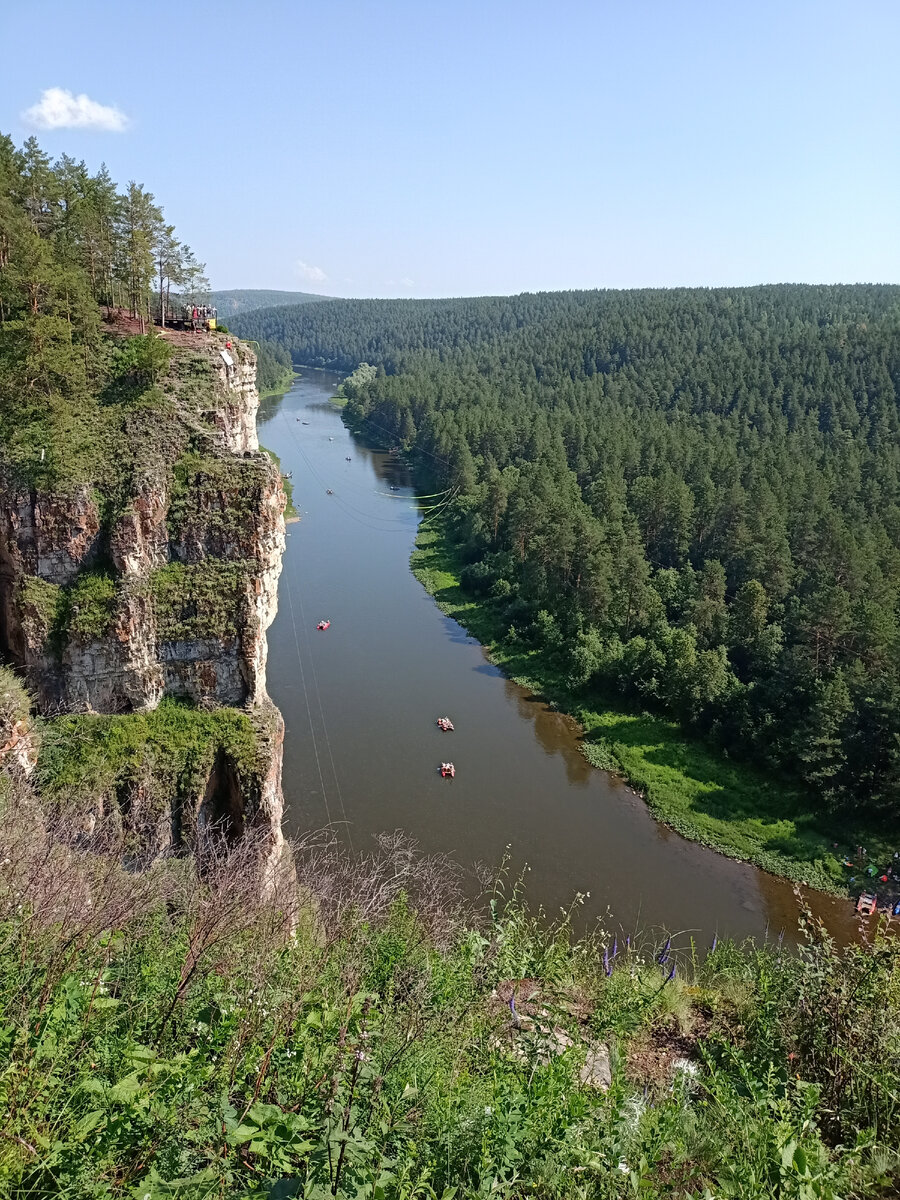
<point>448,770</point>
<point>445,723</point>
<point>323,624</point>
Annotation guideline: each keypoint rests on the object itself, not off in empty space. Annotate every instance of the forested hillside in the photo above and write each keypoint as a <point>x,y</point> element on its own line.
<point>688,497</point>
<point>244,300</point>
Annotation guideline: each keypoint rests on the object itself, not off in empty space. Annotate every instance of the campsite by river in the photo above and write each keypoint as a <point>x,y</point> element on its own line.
<point>360,701</point>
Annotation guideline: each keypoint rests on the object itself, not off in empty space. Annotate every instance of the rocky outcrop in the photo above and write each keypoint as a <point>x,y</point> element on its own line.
<point>138,542</point>
<point>235,418</point>
<point>51,536</point>
<point>137,630</point>
<point>168,594</point>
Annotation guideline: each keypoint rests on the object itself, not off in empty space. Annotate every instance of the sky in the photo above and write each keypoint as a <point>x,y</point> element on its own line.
<point>436,148</point>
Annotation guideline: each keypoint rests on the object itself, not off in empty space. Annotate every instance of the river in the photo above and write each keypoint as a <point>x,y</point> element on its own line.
<point>360,702</point>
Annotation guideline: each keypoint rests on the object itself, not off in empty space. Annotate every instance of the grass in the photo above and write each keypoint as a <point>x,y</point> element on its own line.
<point>181,1033</point>
<point>732,807</point>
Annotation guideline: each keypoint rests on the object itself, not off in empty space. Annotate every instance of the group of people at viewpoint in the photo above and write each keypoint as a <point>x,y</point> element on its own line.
<point>199,312</point>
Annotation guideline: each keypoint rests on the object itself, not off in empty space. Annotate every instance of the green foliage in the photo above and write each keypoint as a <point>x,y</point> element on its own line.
<point>217,499</point>
<point>244,300</point>
<point>351,387</point>
<point>42,605</point>
<point>200,600</point>
<point>740,811</point>
<point>182,1037</point>
<point>15,704</point>
<point>147,357</point>
<point>274,369</point>
<point>84,756</point>
<point>90,604</point>
<point>69,396</point>
<point>290,510</point>
<point>699,487</point>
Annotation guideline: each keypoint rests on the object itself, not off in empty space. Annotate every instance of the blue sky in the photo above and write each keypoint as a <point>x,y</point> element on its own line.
<point>430,149</point>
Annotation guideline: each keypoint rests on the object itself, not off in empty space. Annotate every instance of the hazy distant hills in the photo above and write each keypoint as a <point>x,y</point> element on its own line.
<point>241,300</point>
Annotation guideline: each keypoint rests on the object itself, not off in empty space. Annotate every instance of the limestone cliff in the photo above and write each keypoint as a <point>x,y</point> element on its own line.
<point>110,603</point>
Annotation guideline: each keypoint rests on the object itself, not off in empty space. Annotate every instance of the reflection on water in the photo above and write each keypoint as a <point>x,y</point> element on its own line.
<point>360,703</point>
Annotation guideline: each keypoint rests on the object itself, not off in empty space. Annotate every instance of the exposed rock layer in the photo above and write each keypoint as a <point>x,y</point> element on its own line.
<point>229,507</point>
<point>171,594</point>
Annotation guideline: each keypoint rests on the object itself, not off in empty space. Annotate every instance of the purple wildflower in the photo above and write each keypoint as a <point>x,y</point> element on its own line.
<point>671,974</point>
<point>664,953</point>
<point>606,963</point>
<point>615,949</point>
<point>712,948</point>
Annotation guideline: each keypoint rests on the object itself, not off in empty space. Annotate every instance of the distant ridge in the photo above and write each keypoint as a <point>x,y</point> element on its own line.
<point>242,300</point>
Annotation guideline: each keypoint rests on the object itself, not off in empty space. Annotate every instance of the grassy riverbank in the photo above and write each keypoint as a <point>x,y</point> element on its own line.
<point>731,807</point>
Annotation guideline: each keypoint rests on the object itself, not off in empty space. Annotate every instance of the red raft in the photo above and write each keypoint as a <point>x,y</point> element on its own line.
<point>323,624</point>
<point>445,723</point>
<point>447,770</point>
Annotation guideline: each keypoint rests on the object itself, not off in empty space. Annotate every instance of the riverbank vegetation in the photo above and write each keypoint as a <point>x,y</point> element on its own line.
<point>171,1033</point>
<point>274,369</point>
<point>686,499</point>
<point>732,807</point>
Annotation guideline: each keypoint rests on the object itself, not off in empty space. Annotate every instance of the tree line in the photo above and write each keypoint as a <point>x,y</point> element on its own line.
<point>690,497</point>
<point>71,244</point>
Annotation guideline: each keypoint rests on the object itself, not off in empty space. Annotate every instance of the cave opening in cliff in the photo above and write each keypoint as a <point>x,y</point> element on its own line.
<point>221,814</point>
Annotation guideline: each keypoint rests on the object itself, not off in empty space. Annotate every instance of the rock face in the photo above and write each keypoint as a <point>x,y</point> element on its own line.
<point>152,631</point>
<point>169,594</point>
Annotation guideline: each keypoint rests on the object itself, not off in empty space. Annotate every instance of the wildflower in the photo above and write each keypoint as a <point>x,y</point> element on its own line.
<point>606,963</point>
<point>664,953</point>
<point>671,974</point>
<point>487,1110</point>
<point>615,949</point>
<point>623,1166</point>
<point>715,942</point>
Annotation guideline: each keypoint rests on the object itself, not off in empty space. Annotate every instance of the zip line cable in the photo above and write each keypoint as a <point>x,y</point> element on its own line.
<point>397,496</point>
<point>418,449</point>
<point>306,697</point>
<point>315,678</point>
<point>354,513</point>
<point>365,518</point>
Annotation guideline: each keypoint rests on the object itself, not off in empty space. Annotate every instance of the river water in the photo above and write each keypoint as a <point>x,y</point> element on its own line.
<point>360,702</point>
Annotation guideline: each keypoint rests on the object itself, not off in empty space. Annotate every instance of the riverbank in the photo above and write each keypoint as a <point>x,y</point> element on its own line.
<point>733,808</point>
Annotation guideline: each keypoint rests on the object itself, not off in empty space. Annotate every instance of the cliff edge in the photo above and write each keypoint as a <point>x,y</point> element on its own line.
<point>135,605</point>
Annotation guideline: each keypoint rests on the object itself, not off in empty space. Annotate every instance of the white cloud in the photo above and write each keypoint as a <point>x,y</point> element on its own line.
<point>311,274</point>
<point>59,109</point>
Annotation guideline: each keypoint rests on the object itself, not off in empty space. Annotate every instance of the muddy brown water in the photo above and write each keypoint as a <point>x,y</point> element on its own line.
<point>360,701</point>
